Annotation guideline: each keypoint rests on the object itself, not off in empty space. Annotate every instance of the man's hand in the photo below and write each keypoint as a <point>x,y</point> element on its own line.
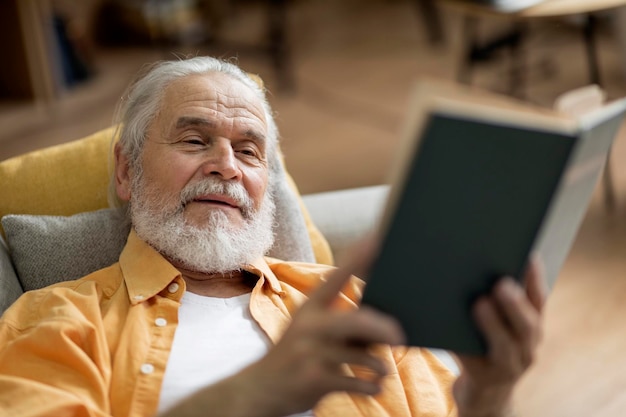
<point>510,319</point>
<point>307,362</point>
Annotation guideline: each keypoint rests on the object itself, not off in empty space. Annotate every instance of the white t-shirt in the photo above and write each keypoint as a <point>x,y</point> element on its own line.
<point>215,338</point>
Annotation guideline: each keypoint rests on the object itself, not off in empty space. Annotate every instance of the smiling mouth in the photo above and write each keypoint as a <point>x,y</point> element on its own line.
<point>217,200</point>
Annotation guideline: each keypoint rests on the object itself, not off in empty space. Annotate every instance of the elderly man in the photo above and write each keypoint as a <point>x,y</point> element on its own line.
<point>194,321</point>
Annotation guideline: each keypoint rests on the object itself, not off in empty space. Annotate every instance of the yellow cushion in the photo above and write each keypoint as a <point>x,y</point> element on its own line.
<point>74,177</point>
<point>60,180</point>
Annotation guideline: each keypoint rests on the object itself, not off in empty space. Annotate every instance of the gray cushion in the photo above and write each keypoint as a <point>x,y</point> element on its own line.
<point>10,287</point>
<point>48,249</point>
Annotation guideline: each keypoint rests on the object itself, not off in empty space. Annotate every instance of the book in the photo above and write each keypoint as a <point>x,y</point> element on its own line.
<point>480,183</point>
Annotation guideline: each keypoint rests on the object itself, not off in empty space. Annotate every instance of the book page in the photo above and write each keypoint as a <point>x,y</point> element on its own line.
<point>580,101</point>
<point>598,130</point>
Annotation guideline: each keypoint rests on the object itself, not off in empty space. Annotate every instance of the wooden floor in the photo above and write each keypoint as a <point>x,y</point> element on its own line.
<point>353,63</point>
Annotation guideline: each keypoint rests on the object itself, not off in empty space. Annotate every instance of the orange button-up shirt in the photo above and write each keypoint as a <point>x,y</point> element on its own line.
<point>98,346</point>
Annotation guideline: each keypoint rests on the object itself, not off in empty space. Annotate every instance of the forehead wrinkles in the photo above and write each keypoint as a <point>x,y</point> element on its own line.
<point>220,101</point>
<point>231,104</point>
<point>240,106</point>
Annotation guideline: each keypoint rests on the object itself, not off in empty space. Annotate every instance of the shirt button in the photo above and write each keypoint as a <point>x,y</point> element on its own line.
<point>173,287</point>
<point>138,297</point>
<point>160,322</point>
<point>147,368</point>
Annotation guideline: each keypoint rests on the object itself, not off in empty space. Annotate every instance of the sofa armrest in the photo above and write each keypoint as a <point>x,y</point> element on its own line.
<point>344,216</point>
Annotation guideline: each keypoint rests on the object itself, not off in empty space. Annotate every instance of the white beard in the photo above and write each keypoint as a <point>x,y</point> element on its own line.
<point>218,246</point>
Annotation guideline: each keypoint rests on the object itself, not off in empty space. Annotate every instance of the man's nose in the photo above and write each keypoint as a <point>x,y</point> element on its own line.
<point>221,160</point>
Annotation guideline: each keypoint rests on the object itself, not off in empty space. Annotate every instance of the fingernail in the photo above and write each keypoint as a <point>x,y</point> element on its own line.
<point>508,282</point>
<point>508,285</point>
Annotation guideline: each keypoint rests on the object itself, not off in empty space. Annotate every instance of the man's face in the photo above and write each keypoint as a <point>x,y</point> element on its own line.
<point>200,196</point>
<point>208,126</point>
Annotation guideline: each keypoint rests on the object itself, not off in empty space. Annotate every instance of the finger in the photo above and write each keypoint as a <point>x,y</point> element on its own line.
<point>354,385</point>
<point>522,316</point>
<point>535,282</point>
<point>365,326</point>
<point>360,356</point>
<point>516,308</point>
<point>502,347</point>
<point>324,295</point>
<point>362,254</point>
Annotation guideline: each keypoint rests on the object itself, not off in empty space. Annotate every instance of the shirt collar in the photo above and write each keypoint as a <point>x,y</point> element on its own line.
<point>147,272</point>
<point>261,269</point>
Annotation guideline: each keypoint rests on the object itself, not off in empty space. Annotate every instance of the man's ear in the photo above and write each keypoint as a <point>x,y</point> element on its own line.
<point>122,174</point>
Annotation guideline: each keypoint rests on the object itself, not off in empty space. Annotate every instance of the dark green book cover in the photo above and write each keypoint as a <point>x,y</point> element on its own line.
<point>468,212</point>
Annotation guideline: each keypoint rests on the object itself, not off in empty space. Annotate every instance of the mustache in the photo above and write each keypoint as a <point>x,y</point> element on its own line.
<point>211,185</point>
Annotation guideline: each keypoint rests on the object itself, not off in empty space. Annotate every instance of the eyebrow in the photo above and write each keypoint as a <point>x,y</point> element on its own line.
<point>187,121</point>
<point>255,136</point>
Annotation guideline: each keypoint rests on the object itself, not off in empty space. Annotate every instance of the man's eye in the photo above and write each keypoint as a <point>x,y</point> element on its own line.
<point>248,152</point>
<point>194,141</point>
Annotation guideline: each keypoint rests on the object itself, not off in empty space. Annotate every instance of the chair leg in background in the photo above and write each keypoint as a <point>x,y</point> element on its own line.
<point>589,34</point>
<point>279,50</point>
<point>470,44</point>
<point>517,80</point>
<point>431,18</point>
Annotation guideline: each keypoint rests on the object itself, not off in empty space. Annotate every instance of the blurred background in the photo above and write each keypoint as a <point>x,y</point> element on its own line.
<point>339,74</point>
